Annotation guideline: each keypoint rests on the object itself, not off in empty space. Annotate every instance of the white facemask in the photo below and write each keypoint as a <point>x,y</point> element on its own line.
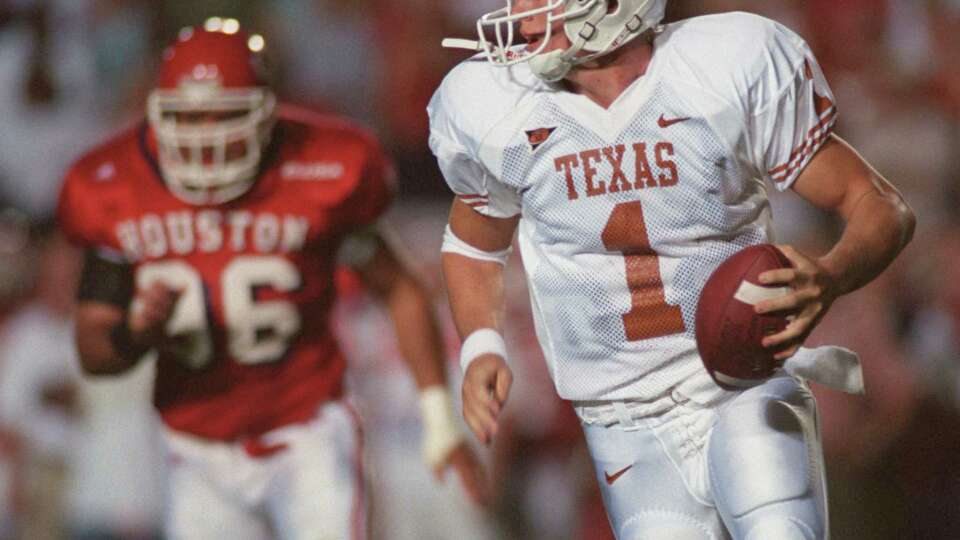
<point>593,28</point>
<point>211,162</point>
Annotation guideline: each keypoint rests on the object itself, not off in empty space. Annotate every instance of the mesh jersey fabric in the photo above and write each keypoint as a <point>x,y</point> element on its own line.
<point>627,210</point>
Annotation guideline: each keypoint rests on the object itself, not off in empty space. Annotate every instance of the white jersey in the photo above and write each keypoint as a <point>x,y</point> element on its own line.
<point>626,211</point>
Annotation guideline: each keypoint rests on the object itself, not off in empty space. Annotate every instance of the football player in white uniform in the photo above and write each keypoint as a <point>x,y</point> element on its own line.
<point>633,158</point>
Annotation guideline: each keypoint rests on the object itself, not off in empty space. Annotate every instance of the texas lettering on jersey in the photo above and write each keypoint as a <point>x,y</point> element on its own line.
<point>581,174</point>
<point>250,348</point>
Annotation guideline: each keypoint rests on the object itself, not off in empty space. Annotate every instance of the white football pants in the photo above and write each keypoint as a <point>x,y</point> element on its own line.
<point>302,481</point>
<point>749,467</point>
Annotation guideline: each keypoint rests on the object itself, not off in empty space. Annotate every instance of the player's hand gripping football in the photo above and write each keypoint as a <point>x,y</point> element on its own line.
<point>486,385</point>
<point>151,309</point>
<point>813,292</point>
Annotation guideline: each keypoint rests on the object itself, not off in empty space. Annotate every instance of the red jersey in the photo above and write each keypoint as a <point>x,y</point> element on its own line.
<point>252,347</point>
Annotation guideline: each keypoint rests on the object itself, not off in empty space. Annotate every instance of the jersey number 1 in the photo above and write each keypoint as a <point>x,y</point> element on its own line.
<point>650,316</point>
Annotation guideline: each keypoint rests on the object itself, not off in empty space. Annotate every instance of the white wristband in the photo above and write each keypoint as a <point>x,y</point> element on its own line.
<point>481,342</point>
<point>441,432</point>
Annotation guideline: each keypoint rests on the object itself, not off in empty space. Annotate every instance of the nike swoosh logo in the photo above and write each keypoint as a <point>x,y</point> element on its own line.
<point>611,478</point>
<point>664,123</point>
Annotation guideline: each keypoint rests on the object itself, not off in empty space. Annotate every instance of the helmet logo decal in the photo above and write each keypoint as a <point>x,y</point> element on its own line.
<point>205,72</point>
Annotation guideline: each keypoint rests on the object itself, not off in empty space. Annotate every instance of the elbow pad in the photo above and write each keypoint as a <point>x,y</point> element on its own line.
<point>453,244</point>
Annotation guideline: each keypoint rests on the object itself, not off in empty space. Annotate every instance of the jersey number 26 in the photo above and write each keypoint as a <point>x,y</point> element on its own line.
<point>257,332</point>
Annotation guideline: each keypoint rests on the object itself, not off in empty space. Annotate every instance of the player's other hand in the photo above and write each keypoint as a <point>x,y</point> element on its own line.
<point>486,385</point>
<point>151,309</point>
<point>467,465</point>
<point>813,293</point>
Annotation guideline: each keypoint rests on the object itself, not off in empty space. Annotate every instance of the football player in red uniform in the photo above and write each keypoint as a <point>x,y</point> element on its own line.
<point>212,231</point>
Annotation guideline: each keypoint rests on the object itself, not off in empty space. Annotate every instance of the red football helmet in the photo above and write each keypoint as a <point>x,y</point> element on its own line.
<point>212,113</point>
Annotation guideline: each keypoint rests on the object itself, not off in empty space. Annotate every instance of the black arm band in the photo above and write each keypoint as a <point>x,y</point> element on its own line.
<point>105,280</point>
<point>123,343</point>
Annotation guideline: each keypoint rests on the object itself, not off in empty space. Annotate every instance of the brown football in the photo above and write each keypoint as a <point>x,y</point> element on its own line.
<point>728,331</point>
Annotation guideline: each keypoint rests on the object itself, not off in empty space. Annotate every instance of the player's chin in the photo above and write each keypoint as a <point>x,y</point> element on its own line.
<point>533,44</point>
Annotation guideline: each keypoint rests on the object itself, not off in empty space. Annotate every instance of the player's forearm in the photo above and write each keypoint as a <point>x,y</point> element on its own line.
<point>418,337</point>
<point>475,289</point>
<point>418,334</point>
<point>99,355</point>
<point>879,226</point>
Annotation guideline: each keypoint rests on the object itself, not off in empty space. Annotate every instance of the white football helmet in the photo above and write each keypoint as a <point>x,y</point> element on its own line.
<point>594,27</point>
<point>215,77</point>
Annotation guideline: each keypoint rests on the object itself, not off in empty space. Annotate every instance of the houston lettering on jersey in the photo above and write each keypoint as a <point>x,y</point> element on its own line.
<point>581,173</point>
<point>182,232</point>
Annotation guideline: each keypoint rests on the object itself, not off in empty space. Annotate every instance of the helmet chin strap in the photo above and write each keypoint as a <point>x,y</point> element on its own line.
<point>552,66</point>
<point>555,65</point>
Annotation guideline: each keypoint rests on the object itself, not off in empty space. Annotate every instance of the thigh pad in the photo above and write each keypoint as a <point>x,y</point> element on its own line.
<point>759,452</point>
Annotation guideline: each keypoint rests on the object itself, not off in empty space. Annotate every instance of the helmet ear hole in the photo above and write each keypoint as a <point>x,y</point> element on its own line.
<point>613,6</point>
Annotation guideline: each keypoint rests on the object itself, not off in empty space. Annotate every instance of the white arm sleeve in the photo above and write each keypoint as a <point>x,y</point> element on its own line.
<point>792,109</point>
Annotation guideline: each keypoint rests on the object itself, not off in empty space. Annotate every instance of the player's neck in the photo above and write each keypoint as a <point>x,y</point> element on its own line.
<point>604,80</point>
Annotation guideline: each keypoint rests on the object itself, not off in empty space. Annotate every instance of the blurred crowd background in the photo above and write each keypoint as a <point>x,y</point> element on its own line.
<point>79,458</point>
